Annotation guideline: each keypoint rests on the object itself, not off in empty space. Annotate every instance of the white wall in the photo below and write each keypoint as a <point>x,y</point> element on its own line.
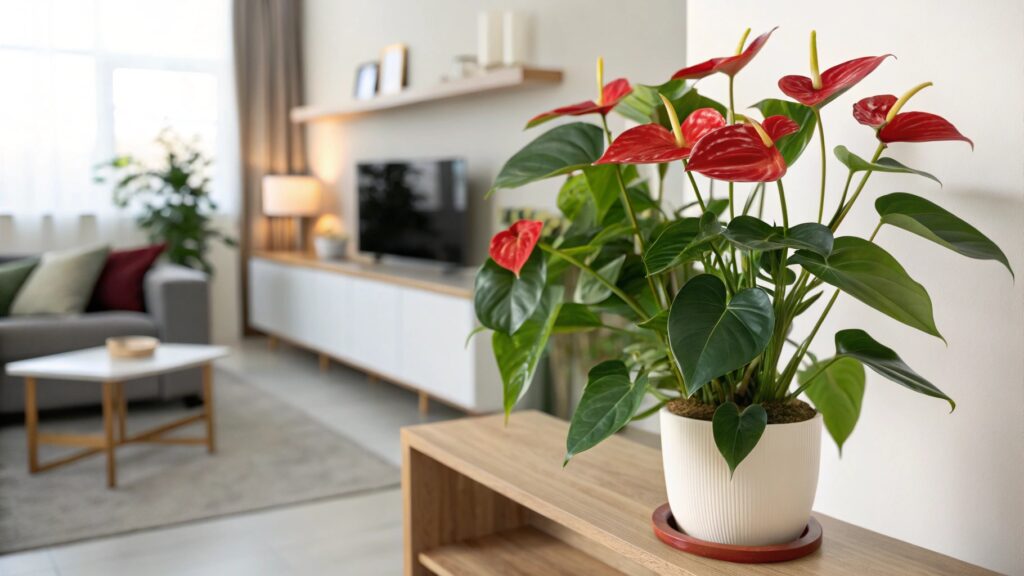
<point>485,129</point>
<point>950,482</point>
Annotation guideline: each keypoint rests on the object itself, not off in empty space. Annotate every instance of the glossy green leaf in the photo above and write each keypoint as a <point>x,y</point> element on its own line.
<point>662,253</point>
<point>737,433</point>
<point>859,345</point>
<point>604,187</point>
<point>929,220</point>
<point>710,335</point>
<point>590,290</point>
<point>609,401</point>
<point>836,388</point>
<point>865,271</point>
<point>858,164</point>
<point>644,104</point>
<point>558,151</point>
<point>518,355</point>
<point>574,317</point>
<point>573,196</point>
<point>504,302</point>
<point>658,322</point>
<point>718,206</point>
<point>753,234</point>
<point>792,145</point>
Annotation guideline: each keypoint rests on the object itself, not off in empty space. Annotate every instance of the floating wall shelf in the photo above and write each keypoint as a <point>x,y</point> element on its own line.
<point>501,79</point>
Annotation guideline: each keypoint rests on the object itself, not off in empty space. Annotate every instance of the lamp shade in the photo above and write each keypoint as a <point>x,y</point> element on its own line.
<point>285,195</point>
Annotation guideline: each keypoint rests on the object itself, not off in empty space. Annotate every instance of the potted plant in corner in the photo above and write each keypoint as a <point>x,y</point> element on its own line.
<point>707,290</point>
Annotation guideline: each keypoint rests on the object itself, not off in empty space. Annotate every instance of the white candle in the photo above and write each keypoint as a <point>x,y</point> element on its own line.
<point>489,43</point>
<point>515,33</point>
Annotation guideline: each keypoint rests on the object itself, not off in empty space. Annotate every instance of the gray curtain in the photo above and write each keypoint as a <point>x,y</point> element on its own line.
<point>268,76</point>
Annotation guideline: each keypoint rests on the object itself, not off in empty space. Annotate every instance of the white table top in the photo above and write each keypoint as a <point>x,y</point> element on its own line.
<point>96,364</point>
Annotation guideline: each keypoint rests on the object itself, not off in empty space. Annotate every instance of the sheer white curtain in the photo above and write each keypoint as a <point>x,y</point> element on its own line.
<point>86,79</point>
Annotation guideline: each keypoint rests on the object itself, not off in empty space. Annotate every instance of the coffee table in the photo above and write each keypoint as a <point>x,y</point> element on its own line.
<point>96,366</point>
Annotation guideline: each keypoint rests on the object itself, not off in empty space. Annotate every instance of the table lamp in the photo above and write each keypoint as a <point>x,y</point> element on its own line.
<point>288,199</point>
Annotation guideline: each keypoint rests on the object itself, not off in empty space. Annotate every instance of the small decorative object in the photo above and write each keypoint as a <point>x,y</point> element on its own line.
<point>393,69</point>
<point>329,240</point>
<point>463,66</point>
<point>515,38</point>
<point>488,39</point>
<point>132,346</point>
<point>173,199</point>
<point>706,295</point>
<point>366,81</point>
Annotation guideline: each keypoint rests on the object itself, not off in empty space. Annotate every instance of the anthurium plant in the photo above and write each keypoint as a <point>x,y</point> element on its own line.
<point>706,293</point>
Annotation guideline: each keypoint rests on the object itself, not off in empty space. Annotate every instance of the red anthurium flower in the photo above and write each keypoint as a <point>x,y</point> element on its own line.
<point>728,65</point>
<point>511,248</point>
<point>608,96</point>
<point>820,89</point>
<point>883,114</point>
<point>653,143</point>
<point>743,152</point>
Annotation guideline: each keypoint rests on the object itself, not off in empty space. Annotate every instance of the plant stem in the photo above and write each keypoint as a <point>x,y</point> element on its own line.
<point>821,139</point>
<point>696,190</point>
<point>785,210</point>
<point>846,209</point>
<point>632,303</point>
<point>807,384</point>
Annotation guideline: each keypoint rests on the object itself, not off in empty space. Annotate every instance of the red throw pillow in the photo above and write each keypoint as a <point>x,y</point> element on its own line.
<point>120,284</point>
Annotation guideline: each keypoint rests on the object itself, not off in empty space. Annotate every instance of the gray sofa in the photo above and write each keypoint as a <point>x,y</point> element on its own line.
<point>177,310</point>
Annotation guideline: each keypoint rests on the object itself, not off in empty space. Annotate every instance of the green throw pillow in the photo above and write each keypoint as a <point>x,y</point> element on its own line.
<point>62,282</point>
<point>12,276</point>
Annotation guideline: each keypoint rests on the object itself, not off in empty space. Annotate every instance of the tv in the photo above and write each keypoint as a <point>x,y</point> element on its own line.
<point>413,208</point>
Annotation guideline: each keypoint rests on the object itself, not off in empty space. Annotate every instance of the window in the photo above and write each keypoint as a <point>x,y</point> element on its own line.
<point>84,80</point>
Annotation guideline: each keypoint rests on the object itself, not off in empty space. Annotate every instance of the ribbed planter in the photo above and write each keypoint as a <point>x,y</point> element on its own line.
<point>767,501</point>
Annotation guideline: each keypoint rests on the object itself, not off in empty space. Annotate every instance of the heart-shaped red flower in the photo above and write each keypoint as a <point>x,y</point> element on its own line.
<point>905,126</point>
<point>834,81</point>
<point>728,65</point>
<point>511,248</point>
<point>653,143</point>
<point>737,153</point>
<point>613,93</point>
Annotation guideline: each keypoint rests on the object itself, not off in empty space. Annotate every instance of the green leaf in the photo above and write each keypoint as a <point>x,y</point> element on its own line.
<point>604,187</point>
<point>836,388</point>
<point>504,302</point>
<point>658,322</point>
<point>710,336</point>
<point>792,145</point>
<point>865,271</point>
<point>859,345</point>
<point>928,220</point>
<point>643,104</point>
<point>737,433</point>
<point>609,401</point>
<point>517,355</point>
<point>858,164</point>
<point>575,317</point>
<point>680,241</point>
<point>718,206</point>
<point>590,290</point>
<point>573,196</point>
<point>558,151</point>
<point>754,234</point>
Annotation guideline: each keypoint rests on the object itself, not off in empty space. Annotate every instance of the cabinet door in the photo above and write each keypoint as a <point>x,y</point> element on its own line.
<point>374,313</point>
<point>435,358</point>
<point>334,319</point>
<point>267,292</point>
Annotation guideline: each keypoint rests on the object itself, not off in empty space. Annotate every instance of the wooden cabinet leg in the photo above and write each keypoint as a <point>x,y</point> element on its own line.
<point>424,404</point>
<point>122,413</point>
<point>32,425</point>
<point>211,441</point>
<point>271,343</point>
<point>325,362</point>
<point>109,444</point>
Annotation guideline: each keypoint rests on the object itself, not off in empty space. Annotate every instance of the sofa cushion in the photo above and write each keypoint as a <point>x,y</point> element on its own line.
<point>120,284</point>
<point>61,283</point>
<point>12,276</point>
<point>32,336</point>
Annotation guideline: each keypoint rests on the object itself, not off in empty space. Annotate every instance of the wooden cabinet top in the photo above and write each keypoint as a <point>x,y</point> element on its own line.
<point>458,282</point>
<point>607,495</point>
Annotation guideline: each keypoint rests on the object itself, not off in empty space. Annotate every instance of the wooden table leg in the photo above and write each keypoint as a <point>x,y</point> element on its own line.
<point>424,404</point>
<point>211,441</point>
<point>325,362</point>
<point>32,424</point>
<point>122,413</point>
<point>109,391</point>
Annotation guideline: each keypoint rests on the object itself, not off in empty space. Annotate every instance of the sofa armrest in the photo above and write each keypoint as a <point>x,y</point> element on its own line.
<point>178,299</point>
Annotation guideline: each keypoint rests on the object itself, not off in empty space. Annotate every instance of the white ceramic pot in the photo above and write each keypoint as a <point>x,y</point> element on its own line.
<point>767,501</point>
<point>328,248</point>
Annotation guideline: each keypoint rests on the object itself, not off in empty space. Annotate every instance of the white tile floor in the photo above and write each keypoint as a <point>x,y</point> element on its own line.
<point>359,534</point>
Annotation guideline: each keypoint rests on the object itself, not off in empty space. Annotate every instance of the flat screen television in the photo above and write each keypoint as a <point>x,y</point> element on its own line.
<point>413,208</point>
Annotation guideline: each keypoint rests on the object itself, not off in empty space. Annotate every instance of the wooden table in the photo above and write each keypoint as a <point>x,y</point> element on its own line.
<point>482,498</point>
<point>95,365</point>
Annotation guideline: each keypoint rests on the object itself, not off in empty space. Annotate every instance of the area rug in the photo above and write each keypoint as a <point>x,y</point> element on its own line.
<point>268,454</point>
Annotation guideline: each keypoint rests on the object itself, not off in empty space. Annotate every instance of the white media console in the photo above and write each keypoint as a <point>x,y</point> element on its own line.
<point>402,324</point>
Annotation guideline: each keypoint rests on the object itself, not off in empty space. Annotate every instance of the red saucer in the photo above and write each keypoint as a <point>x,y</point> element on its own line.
<point>666,530</point>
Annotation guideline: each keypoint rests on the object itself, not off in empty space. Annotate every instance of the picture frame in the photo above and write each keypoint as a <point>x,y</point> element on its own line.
<point>393,65</point>
<point>366,81</point>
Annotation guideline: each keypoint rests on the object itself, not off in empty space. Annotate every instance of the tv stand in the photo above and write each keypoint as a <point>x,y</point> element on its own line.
<point>399,323</point>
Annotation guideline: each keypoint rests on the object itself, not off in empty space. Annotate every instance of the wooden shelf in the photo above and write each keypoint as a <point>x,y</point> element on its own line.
<point>500,79</point>
<point>520,552</point>
<point>465,480</point>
